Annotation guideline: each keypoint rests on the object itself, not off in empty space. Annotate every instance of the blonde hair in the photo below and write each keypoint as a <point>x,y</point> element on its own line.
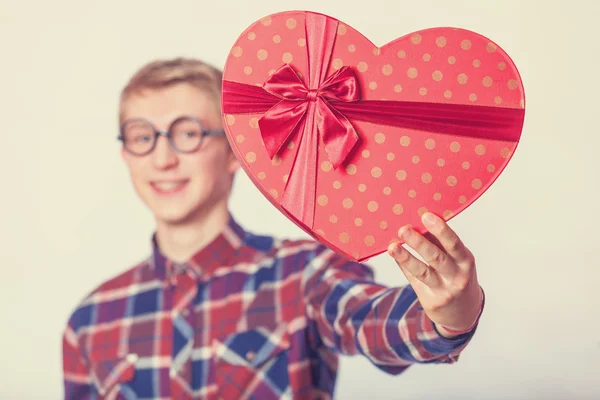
<point>160,74</point>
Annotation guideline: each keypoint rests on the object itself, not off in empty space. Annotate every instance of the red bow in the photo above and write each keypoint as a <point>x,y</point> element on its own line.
<point>288,116</point>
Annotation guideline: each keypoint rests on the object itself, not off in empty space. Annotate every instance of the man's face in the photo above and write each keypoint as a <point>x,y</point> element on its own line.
<point>178,187</point>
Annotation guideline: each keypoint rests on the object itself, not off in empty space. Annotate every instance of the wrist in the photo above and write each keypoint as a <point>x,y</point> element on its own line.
<point>449,332</point>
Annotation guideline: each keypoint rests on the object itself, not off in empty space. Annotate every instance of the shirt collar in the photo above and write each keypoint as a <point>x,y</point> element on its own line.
<point>219,252</point>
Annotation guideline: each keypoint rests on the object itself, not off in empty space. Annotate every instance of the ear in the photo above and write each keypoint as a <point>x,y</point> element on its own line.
<point>233,164</point>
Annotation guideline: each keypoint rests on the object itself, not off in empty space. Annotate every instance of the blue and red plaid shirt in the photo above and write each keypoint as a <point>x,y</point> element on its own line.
<point>247,317</point>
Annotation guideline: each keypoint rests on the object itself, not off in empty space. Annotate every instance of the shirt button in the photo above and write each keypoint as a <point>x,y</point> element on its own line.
<point>250,355</point>
<point>132,358</point>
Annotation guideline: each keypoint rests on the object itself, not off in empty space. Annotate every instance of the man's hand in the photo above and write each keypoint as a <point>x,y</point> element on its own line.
<point>446,284</point>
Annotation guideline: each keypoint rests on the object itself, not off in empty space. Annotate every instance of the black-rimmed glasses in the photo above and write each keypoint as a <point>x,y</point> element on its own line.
<point>185,135</point>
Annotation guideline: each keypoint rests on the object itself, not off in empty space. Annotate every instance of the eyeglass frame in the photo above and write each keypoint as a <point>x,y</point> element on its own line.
<point>167,134</point>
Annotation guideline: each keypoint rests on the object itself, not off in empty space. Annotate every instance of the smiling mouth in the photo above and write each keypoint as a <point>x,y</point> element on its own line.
<point>169,187</point>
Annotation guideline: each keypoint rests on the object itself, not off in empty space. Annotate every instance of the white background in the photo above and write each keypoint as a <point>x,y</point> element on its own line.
<point>71,220</point>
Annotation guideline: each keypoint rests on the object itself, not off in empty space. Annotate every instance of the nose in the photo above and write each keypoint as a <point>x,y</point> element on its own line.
<point>163,156</point>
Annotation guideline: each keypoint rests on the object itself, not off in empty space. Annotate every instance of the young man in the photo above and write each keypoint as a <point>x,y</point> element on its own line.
<point>219,312</point>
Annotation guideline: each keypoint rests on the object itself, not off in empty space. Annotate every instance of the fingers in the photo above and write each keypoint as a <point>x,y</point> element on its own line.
<point>432,254</point>
<point>448,239</point>
<point>414,269</point>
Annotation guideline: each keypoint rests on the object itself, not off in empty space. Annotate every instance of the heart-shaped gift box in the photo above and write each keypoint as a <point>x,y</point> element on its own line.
<point>351,141</point>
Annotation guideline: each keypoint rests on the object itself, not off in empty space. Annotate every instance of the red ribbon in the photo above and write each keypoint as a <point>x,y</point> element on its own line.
<point>324,108</point>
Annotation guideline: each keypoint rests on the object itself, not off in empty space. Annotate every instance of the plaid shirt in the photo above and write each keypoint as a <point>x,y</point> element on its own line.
<point>247,317</point>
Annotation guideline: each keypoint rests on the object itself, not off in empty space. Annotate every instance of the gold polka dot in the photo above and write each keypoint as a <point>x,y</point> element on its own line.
<point>437,76</point>
<point>416,159</point>
<point>398,209</point>
<point>451,60</point>
<point>426,177</point>
<point>372,85</point>
<point>379,138</point>
<point>426,57</point>
<point>366,153</point>
<point>401,54</point>
<point>372,206</point>
<point>505,152</point>
<point>276,161</point>
<point>266,21</point>
<point>440,41</point>
<point>285,178</point>
<point>230,119</point>
<point>502,66</point>
<point>271,72</point>
<point>351,169</point>
<point>337,63</point>
<point>416,38</point>
<point>383,225</point>
<point>251,157</point>
<point>376,172</point>
<point>333,219</point>
<point>247,70</point>
<point>430,144</point>
<point>421,211</point>
<point>276,39</point>
<point>261,175</point>
<point>342,29</point>
<point>448,94</point>
<point>337,184</point>
<point>291,23</point>
<point>465,44</point>
<point>490,47</point>
<point>498,100</point>
<point>387,190</point>
<point>347,203</point>
<point>362,187</point>
<point>358,221</point>
<point>369,240</point>
<point>326,166</point>
<point>401,175</point>
<point>466,165</point>
<point>473,97</point>
<point>287,58</point>
<point>451,180</point>
<point>391,156</point>
<point>274,193</point>
<point>412,72</point>
<point>387,69</point>
<point>240,138</point>
<point>455,147</point>
<point>462,78</point>
<point>476,63</point>
<point>362,66</point>
<point>253,123</point>
<point>405,141</point>
<point>237,51</point>
<point>447,214</point>
<point>491,168</point>
<point>351,48</point>
<point>423,91</point>
<point>320,232</point>
<point>322,200</point>
<point>512,84</point>
<point>397,88</point>
<point>301,42</point>
<point>476,183</point>
<point>487,81</point>
<point>522,103</point>
<point>262,54</point>
<point>441,162</point>
<point>437,196</point>
<point>344,237</point>
<point>462,199</point>
<point>376,51</point>
<point>291,145</point>
<point>251,35</point>
<point>412,193</point>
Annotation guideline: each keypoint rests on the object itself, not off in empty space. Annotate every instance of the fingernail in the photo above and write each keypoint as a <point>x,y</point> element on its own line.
<point>404,232</point>
<point>398,251</point>
<point>429,218</point>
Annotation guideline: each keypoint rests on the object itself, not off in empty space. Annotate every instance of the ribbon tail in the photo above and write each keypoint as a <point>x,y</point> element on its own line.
<point>339,136</point>
<point>279,123</point>
<point>299,196</point>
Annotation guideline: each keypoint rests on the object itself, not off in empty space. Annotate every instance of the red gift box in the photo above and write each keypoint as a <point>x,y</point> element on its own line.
<point>352,141</point>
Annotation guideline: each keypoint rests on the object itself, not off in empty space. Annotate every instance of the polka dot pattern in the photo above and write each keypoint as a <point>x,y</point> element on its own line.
<point>394,174</point>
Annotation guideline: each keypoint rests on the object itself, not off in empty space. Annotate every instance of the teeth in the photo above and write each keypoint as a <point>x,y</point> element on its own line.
<point>168,186</point>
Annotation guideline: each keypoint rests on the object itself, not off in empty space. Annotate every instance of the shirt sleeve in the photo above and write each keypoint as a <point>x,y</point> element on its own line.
<point>350,313</point>
<point>76,375</point>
